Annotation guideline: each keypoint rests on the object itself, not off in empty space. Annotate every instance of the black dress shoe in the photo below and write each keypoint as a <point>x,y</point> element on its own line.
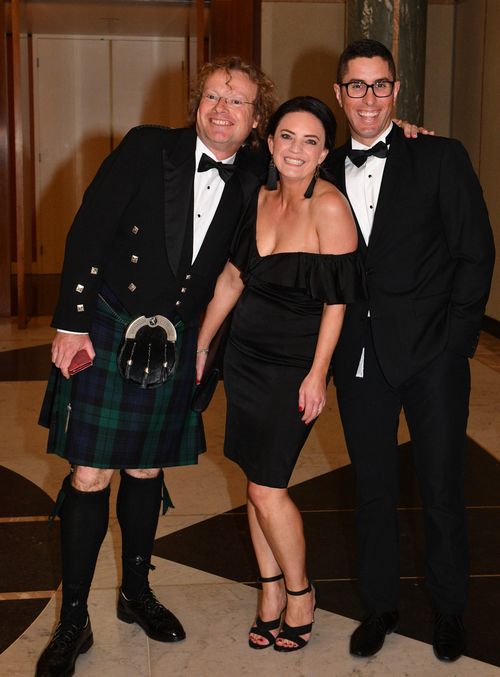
<point>449,637</point>
<point>157,622</point>
<point>68,642</point>
<point>368,638</point>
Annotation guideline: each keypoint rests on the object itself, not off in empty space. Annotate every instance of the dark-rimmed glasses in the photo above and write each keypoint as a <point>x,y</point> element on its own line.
<point>230,101</point>
<point>357,89</point>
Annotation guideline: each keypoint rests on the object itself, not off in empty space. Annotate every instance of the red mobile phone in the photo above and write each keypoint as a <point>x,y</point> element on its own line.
<point>79,362</point>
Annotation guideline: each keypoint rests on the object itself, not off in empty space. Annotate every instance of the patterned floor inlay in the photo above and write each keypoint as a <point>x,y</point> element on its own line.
<point>221,546</point>
<point>29,556</point>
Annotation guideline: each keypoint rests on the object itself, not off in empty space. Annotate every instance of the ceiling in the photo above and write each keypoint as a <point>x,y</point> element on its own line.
<point>172,18</point>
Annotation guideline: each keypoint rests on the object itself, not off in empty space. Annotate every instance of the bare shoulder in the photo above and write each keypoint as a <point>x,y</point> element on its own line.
<point>329,201</point>
<point>333,220</point>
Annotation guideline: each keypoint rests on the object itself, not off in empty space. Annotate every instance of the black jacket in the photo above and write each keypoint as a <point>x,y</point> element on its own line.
<point>133,231</point>
<point>428,264</point>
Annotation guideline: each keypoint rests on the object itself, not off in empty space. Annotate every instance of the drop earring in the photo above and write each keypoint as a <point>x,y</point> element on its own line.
<point>310,187</point>
<point>272,176</point>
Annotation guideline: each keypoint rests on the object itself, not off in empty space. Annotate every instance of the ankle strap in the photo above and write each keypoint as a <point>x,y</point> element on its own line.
<point>299,592</point>
<point>271,579</point>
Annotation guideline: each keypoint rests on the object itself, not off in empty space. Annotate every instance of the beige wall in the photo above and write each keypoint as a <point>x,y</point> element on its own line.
<point>439,68</point>
<point>301,44</point>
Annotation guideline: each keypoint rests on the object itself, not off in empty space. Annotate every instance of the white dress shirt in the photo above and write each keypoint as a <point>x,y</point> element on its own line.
<point>363,188</point>
<point>208,189</point>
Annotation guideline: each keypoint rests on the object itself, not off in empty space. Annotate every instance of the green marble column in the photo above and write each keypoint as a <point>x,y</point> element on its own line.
<point>401,26</point>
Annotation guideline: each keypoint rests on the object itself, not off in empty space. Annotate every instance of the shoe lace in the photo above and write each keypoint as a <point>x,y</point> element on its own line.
<point>65,635</point>
<point>151,604</point>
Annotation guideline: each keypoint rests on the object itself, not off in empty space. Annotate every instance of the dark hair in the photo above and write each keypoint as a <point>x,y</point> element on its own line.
<point>307,104</point>
<point>265,100</point>
<point>368,49</point>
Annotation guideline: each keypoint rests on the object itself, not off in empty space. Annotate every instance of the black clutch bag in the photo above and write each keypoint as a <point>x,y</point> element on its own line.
<point>212,373</point>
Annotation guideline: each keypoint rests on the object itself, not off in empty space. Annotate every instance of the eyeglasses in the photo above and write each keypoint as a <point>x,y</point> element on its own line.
<point>231,102</point>
<point>357,89</point>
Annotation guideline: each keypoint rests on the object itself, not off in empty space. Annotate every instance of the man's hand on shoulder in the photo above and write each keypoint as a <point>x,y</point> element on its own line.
<point>410,130</point>
<point>65,346</point>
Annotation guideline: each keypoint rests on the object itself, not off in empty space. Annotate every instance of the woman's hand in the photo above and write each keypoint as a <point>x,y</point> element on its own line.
<point>65,346</point>
<point>201,358</point>
<point>411,131</point>
<point>312,397</point>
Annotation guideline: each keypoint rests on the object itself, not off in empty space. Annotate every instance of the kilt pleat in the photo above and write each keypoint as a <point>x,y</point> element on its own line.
<point>99,420</point>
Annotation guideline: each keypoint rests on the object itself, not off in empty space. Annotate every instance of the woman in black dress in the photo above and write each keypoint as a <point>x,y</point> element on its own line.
<point>293,268</point>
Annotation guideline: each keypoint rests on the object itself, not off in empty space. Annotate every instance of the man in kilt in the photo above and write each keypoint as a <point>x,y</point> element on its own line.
<point>150,238</point>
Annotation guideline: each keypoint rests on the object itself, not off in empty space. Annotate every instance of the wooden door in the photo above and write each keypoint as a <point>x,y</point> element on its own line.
<point>88,93</point>
<point>72,105</point>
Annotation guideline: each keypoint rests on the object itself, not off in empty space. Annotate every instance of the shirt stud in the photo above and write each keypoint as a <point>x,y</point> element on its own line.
<point>135,229</point>
<point>80,308</point>
<point>178,303</point>
<point>94,270</point>
<point>132,287</point>
<point>79,288</point>
<point>134,258</point>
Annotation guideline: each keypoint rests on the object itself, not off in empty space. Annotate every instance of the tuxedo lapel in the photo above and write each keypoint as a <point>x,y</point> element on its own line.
<point>178,178</point>
<point>394,171</point>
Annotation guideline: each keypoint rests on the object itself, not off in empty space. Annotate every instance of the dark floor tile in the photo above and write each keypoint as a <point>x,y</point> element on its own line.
<point>16,616</point>
<point>20,497</point>
<point>29,557</point>
<point>219,545</point>
<point>25,364</point>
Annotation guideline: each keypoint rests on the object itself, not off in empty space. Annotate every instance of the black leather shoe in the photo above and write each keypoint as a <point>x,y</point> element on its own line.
<point>449,637</point>
<point>157,622</point>
<point>68,642</point>
<point>368,638</point>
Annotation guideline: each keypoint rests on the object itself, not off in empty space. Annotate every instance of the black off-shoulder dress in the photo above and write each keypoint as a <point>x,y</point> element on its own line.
<point>270,350</point>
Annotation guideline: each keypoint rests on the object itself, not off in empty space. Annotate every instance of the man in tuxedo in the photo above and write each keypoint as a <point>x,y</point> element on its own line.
<point>150,238</point>
<point>428,254</point>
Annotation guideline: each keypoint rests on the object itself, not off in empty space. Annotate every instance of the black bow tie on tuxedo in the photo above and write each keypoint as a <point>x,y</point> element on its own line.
<point>225,171</point>
<point>358,156</point>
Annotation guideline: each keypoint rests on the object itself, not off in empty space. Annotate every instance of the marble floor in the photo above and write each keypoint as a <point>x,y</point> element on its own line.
<point>204,571</point>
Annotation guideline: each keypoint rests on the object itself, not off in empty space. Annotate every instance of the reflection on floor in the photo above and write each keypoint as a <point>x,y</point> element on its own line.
<point>203,554</point>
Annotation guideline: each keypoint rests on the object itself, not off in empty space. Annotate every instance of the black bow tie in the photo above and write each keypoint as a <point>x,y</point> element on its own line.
<point>358,156</point>
<point>225,171</point>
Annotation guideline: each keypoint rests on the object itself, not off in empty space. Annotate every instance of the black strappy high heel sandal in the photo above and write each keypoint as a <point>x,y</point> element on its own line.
<point>293,633</point>
<point>263,628</point>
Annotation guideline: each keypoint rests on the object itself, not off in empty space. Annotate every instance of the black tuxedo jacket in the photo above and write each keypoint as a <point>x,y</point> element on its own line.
<point>133,231</point>
<point>428,264</point>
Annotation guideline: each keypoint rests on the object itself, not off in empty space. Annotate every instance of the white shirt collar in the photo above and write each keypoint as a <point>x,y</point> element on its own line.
<point>201,148</point>
<point>360,146</point>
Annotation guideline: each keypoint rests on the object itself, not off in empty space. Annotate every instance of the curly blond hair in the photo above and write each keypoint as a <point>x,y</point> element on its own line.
<point>265,100</point>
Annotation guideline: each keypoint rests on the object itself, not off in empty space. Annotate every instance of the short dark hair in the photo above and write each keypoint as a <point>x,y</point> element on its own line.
<point>265,100</point>
<point>307,104</point>
<point>364,48</point>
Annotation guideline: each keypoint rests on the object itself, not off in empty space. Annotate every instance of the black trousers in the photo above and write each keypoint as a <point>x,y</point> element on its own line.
<point>435,402</point>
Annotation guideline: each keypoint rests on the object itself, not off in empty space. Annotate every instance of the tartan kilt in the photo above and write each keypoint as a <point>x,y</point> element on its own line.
<point>97,419</point>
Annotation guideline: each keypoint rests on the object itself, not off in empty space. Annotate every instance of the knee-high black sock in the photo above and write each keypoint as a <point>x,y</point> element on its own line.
<point>138,509</point>
<point>84,522</point>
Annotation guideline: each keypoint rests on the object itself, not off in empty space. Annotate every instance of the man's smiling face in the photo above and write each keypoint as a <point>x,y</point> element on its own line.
<point>370,115</point>
<point>222,128</point>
